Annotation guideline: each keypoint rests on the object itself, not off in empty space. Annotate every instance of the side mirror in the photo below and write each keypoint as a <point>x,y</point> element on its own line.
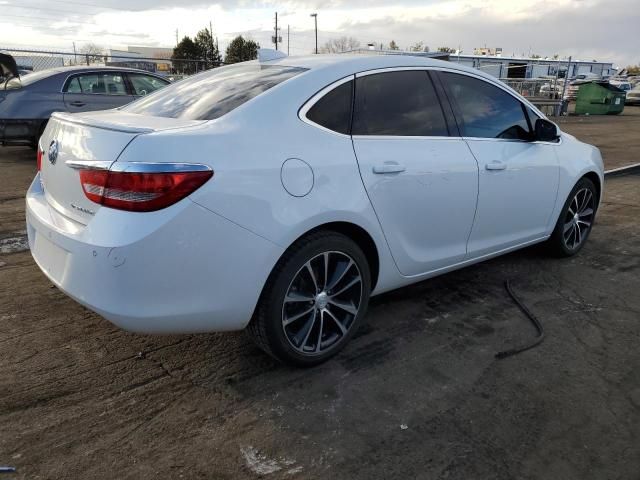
<point>546,131</point>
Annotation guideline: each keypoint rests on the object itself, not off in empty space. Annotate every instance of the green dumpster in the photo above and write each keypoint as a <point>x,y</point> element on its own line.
<point>599,98</point>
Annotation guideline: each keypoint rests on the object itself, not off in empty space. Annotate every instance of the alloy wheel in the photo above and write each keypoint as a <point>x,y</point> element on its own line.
<point>578,219</point>
<point>322,302</point>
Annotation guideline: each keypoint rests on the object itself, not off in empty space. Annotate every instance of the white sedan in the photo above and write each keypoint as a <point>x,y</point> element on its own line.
<point>279,195</point>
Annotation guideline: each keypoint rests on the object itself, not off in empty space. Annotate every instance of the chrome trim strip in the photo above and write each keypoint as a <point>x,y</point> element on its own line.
<point>302,113</point>
<point>88,164</point>
<point>403,137</point>
<point>138,167</point>
<point>512,140</point>
<point>159,167</point>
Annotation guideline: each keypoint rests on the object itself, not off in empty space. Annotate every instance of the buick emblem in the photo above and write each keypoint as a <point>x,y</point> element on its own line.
<point>53,152</point>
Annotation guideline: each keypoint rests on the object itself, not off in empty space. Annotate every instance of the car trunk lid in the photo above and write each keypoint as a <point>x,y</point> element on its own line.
<point>91,138</point>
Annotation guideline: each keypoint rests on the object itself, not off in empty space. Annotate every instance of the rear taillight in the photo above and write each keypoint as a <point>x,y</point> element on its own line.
<point>39,159</point>
<point>142,191</point>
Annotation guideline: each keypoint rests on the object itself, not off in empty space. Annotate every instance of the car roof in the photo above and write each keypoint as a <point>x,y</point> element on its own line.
<point>357,62</point>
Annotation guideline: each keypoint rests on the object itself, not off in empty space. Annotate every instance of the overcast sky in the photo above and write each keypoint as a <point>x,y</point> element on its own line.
<point>606,30</point>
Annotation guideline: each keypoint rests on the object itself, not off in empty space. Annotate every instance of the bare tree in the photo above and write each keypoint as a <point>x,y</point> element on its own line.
<point>393,45</point>
<point>92,52</point>
<point>419,47</point>
<point>342,44</point>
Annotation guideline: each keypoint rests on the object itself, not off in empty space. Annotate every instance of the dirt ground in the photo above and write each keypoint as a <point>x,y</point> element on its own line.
<point>617,136</point>
<point>417,394</point>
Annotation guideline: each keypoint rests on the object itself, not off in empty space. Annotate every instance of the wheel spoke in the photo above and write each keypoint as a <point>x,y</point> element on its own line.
<point>578,236</point>
<point>567,226</point>
<point>336,321</point>
<point>346,287</point>
<point>297,297</point>
<point>313,275</point>
<point>335,282</point>
<point>297,316</point>
<point>326,269</point>
<point>308,329</point>
<point>586,212</point>
<point>585,223</point>
<point>319,342</point>
<point>347,307</point>
<point>585,201</point>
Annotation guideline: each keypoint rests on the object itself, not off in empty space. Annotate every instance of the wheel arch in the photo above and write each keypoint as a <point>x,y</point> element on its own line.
<point>359,235</point>
<point>595,178</point>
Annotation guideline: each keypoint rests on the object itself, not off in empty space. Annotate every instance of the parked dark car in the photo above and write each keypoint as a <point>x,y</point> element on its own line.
<point>26,103</point>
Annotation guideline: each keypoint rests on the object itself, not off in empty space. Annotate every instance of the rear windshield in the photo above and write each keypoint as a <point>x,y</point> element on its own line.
<point>26,79</point>
<point>214,93</point>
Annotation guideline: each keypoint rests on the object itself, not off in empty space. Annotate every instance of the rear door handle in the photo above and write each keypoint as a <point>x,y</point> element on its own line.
<point>496,165</point>
<point>389,167</point>
<point>78,104</point>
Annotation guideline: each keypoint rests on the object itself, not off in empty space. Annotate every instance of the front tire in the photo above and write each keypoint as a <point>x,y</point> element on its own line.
<point>313,301</point>
<point>576,220</point>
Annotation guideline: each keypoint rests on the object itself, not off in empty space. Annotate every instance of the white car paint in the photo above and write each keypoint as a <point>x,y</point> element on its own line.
<point>201,263</point>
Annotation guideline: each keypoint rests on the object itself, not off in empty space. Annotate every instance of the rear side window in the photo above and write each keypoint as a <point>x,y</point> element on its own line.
<point>100,83</point>
<point>485,110</point>
<point>145,84</point>
<point>402,103</point>
<point>333,111</point>
<point>214,93</point>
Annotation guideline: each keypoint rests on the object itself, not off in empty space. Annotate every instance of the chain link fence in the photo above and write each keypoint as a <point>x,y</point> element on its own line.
<point>32,60</point>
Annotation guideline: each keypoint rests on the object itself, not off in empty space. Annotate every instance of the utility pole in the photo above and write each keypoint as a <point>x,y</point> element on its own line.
<point>176,37</point>
<point>315,18</point>
<point>75,57</point>
<point>275,38</point>
<point>287,39</point>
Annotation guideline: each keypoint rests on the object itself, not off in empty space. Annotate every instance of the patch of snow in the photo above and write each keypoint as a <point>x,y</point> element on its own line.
<point>17,243</point>
<point>260,464</point>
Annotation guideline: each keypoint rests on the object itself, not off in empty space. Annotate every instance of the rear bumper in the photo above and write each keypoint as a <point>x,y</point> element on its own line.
<point>19,131</point>
<point>183,269</point>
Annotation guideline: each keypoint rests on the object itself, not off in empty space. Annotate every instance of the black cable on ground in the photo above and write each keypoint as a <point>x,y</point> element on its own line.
<point>530,316</point>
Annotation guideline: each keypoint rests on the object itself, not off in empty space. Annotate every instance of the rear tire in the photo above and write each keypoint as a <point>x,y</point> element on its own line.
<point>313,301</point>
<point>575,221</point>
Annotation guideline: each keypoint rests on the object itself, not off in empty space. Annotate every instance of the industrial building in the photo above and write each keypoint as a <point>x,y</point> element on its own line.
<point>513,67</point>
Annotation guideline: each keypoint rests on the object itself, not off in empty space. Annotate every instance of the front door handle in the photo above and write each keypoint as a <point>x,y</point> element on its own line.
<point>496,165</point>
<point>78,104</point>
<point>389,167</point>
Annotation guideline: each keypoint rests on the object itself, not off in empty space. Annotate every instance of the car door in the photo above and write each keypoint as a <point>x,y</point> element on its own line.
<point>100,90</point>
<point>142,84</point>
<point>420,176</point>
<point>518,177</point>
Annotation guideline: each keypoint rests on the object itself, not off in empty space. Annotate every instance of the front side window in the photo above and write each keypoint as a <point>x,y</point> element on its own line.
<point>333,111</point>
<point>485,110</point>
<point>214,93</point>
<point>145,84</point>
<point>400,103</point>
<point>105,83</point>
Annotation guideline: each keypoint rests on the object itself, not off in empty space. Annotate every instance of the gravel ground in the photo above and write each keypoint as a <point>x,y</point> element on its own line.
<point>417,394</point>
<point>617,136</point>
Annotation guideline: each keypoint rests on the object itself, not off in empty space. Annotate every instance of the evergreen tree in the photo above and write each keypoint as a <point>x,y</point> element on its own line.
<point>186,50</point>
<point>241,50</point>
<point>208,48</point>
